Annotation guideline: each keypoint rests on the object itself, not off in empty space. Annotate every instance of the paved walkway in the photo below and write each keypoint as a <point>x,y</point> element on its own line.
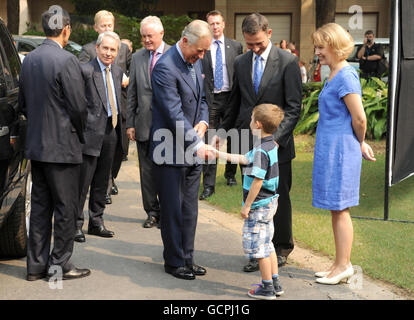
<point>130,265</point>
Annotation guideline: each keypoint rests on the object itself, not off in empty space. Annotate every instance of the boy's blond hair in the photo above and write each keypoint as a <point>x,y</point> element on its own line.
<point>269,115</point>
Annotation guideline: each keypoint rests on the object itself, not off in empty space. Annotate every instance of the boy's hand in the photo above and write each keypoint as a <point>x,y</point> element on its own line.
<point>245,212</point>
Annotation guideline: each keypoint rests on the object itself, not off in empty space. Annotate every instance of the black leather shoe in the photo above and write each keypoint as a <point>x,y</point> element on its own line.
<point>231,182</point>
<point>108,199</point>
<point>252,266</point>
<point>100,231</point>
<point>197,270</point>
<point>35,276</point>
<point>208,191</point>
<point>150,222</point>
<point>180,272</point>
<point>74,273</point>
<point>281,261</point>
<point>79,236</point>
<point>114,189</point>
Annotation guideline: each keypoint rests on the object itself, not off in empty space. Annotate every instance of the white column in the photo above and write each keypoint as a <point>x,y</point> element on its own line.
<point>24,16</point>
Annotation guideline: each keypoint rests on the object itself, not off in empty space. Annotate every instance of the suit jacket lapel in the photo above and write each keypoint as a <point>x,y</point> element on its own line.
<point>228,53</point>
<point>145,66</point>
<point>117,79</point>
<point>272,66</point>
<point>99,83</point>
<point>185,73</point>
<point>247,65</point>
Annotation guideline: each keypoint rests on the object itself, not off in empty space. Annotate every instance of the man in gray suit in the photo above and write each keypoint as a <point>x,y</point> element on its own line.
<point>103,132</point>
<point>267,74</point>
<point>105,21</point>
<point>139,110</point>
<point>218,71</point>
<point>52,97</point>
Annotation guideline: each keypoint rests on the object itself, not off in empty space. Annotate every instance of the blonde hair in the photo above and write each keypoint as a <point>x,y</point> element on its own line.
<point>103,13</point>
<point>336,37</point>
<point>269,115</point>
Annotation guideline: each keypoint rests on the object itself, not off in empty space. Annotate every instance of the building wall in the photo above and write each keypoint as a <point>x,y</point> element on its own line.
<point>183,7</point>
<point>3,10</point>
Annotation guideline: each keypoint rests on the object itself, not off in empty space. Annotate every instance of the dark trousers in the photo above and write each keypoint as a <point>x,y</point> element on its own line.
<point>178,193</point>
<point>217,112</point>
<point>147,170</point>
<point>94,175</point>
<point>283,238</point>
<point>55,193</point>
<point>118,157</point>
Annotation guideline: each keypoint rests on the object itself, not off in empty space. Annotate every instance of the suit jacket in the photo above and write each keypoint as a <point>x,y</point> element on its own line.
<point>123,59</point>
<point>232,50</point>
<point>98,106</point>
<point>281,84</point>
<point>177,106</point>
<point>52,96</point>
<point>139,102</point>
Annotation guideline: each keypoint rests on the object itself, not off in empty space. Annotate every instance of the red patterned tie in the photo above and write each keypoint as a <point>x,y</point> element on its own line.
<point>154,60</point>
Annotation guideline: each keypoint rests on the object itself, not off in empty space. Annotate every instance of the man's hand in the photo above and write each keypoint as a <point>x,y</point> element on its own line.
<point>131,134</point>
<point>217,142</point>
<point>206,152</point>
<point>201,129</point>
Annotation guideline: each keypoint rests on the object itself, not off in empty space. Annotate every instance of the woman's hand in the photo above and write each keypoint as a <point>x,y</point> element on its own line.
<point>367,152</point>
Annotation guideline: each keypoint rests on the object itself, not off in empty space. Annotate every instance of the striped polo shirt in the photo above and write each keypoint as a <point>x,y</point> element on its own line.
<point>263,164</point>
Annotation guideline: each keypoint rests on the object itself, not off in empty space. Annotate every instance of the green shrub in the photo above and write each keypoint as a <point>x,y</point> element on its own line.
<point>374,99</point>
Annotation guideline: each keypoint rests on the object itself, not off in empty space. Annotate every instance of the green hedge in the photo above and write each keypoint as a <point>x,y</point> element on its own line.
<point>374,99</point>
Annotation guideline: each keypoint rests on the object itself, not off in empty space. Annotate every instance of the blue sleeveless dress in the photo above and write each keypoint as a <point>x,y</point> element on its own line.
<point>337,157</point>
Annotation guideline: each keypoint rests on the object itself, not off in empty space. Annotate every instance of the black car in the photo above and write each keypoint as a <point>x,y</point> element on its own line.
<point>25,44</point>
<point>14,169</point>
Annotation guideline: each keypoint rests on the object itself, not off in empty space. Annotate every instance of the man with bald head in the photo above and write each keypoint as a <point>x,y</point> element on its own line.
<point>179,121</point>
<point>139,114</point>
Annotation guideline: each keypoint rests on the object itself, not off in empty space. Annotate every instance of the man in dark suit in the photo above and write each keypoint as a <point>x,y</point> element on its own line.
<point>139,110</point>
<point>105,21</point>
<point>179,121</point>
<point>53,99</point>
<point>218,70</point>
<point>267,74</point>
<point>103,81</point>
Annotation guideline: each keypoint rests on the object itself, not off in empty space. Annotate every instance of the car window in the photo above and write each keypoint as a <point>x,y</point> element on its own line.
<point>25,48</point>
<point>11,62</point>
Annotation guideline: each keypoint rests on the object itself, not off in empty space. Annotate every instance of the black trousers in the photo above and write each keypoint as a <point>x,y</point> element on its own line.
<point>283,237</point>
<point>95,173</point>
<point>217,112</point>
<point>55,193</point>
<point>118,157</point>
<point>148,183</point>
<point>178,192</point>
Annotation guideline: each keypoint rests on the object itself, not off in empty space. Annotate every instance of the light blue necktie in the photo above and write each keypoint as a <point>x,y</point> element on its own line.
<point>258,72</point>
<point>193,73</point>
<point>218,72</point>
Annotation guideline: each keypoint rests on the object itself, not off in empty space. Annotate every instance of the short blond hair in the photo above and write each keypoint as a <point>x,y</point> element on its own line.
<point>269,115</point>
<point>336,37</point>
<point>103,13</point>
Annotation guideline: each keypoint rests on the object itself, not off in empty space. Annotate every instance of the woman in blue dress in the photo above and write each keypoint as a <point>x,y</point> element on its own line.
<point>339,145</point>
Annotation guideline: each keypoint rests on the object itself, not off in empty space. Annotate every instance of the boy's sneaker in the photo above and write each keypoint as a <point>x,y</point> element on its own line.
<point>262,292</point>
<point>278,288</point>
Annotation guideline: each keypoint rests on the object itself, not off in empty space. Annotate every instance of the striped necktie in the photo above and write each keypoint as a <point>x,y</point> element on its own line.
<point>111,97</point>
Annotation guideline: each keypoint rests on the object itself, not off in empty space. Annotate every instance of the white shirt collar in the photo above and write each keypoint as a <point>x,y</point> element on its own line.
<point>101,65</point>
<point>160,49</point>
<point>265,54</point>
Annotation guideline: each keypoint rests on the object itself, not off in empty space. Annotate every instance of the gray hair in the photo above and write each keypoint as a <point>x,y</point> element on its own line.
<point>196,30</point>
<point>254,23</point>
<point>109,34</point>
<point>154,21</point>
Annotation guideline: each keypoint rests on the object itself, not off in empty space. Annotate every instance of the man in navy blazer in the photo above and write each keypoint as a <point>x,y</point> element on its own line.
<point>179,121</point>
<point>103,132</point>
<point>53,99</point>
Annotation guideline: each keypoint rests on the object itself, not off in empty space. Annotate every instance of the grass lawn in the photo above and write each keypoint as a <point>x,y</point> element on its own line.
<point>384,250</point>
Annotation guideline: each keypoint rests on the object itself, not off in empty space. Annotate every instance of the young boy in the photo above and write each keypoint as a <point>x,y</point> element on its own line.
<point>260,182</point>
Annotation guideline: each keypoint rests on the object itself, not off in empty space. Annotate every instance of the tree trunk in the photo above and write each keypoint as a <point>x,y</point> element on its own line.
<point>325,12</point>
<point>13,15</point>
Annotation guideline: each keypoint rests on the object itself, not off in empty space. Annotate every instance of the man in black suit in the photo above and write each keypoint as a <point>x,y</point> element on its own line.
<point>218,71</point>
<point>53,99</point>
<point>103,81</point>
<point>267,74</point>
<point>139,113</point>
<point>179,121</point>
<point>105,21</point>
